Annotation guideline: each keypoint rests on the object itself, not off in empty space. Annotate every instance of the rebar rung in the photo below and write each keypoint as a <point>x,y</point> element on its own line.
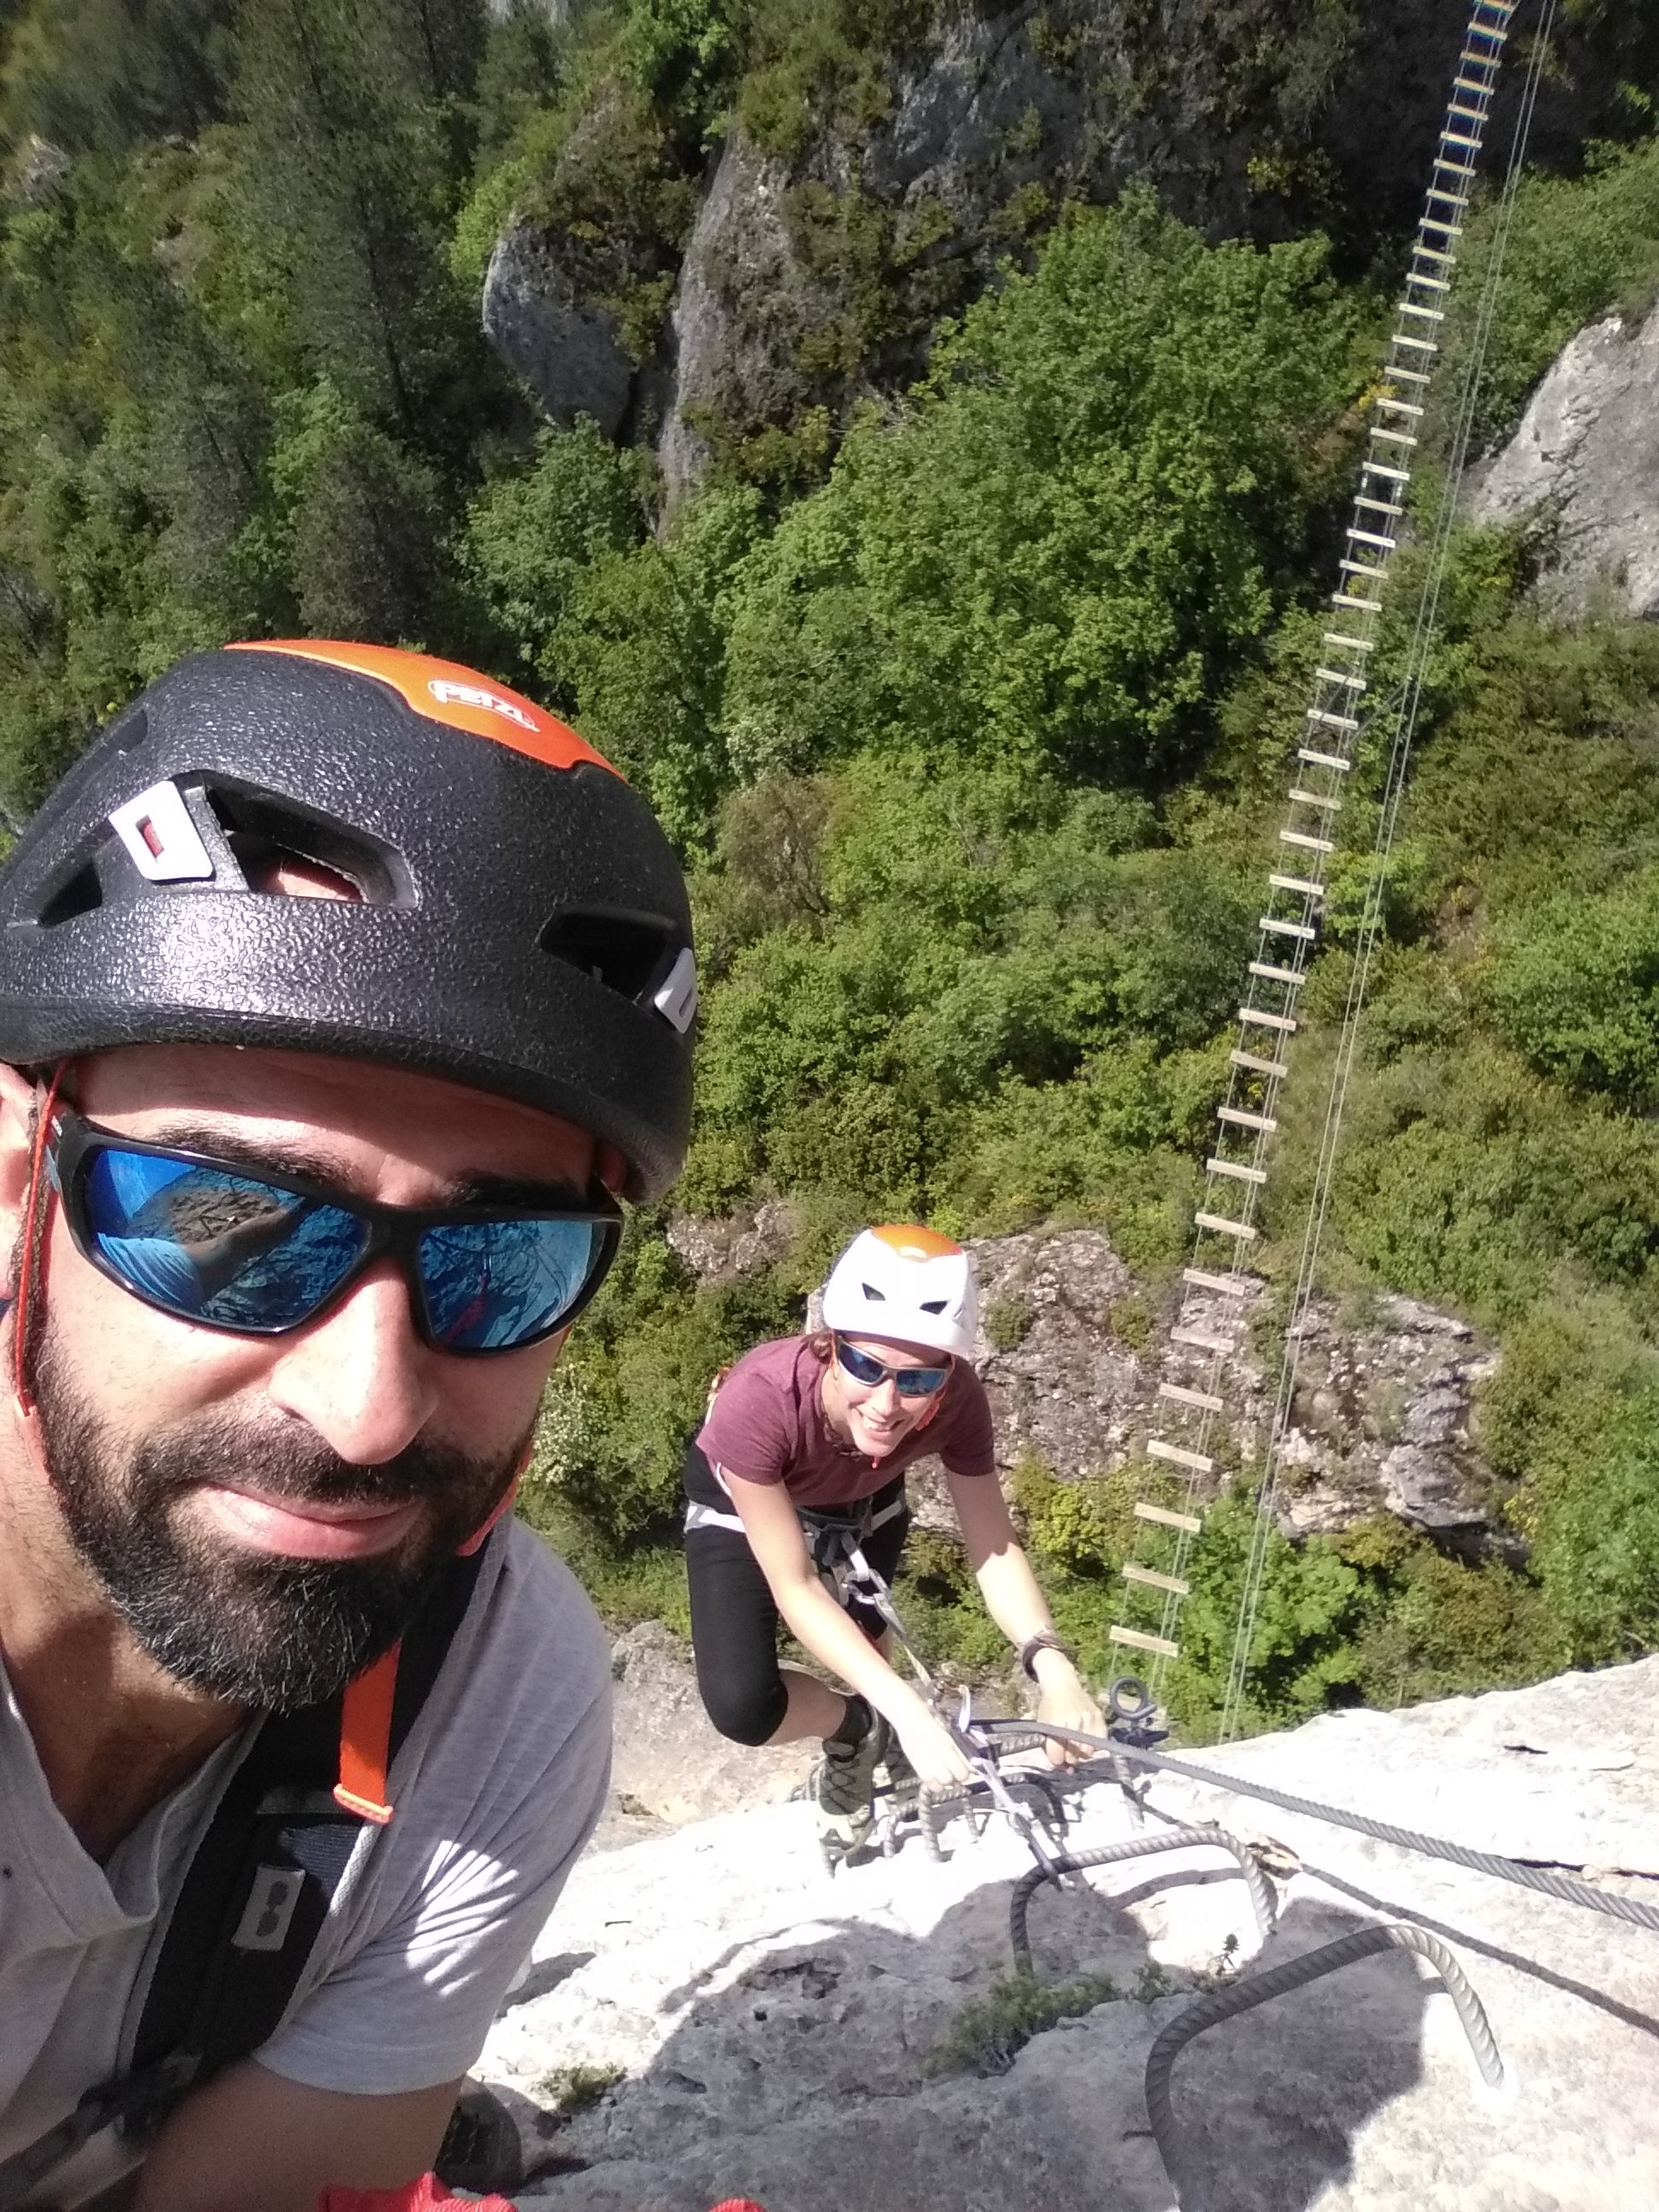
<point>1137,1640</point>
<point>1165,1518</point>
<point>1132,1572</point>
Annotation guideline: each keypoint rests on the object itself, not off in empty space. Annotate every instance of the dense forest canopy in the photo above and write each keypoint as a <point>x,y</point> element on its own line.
<point>967,703</point>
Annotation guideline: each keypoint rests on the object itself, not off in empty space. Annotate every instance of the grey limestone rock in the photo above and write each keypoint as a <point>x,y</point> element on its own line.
<point>1074,1345</point>
<point>778,2029</point>
<point>1586,455</point>
<point>564,347</point>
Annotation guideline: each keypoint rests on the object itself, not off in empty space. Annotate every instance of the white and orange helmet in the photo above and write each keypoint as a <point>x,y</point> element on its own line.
<point>906,1284</point>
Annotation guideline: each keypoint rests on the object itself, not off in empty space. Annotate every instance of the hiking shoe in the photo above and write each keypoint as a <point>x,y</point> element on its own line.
<point>897,1772</point>
<point>843,1790</point>
<point>482,2151</point>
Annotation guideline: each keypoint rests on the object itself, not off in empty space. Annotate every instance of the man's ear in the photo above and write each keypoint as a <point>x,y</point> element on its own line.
<point>19,1098</point>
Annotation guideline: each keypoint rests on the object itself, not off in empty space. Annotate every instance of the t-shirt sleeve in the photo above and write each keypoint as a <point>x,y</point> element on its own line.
<point>970,1447</point>
<point>507,1794</point>
<point>748,1431</point>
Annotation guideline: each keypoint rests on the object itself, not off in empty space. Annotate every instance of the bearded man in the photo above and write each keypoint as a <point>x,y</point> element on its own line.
<point>341,993</point>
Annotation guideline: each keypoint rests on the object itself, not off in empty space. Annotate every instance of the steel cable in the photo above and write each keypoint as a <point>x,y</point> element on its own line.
<point>1564,1886</point>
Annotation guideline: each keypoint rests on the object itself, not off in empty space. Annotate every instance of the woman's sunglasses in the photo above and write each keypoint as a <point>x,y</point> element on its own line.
<point>910,1381</point>
<point>261,1254</point>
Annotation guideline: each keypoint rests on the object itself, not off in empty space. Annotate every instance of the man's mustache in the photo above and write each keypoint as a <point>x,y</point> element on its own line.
<point>295,1469</point>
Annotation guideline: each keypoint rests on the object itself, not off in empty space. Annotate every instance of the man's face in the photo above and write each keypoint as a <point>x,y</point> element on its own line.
<point>268,1512</point>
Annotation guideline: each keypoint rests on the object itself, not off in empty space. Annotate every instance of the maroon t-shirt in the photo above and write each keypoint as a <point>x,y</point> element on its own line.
<point>768,1426</point>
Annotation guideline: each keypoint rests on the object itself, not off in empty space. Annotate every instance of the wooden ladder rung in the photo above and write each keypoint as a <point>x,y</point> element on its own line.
<point>1178,1455</point>
<point>1206,1401</point>
<point>1241,1119</point>
<point>1137,1640</point>
<point>1236,1172</point>
<point>1200,1341</point>
<point>1255,1066</point>
<point>1133,1572</point>
<point>1165,1518</point>
<point>1229,1286</point>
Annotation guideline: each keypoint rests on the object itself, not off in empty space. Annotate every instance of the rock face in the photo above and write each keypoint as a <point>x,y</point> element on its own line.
<point>1073,1347</point>
<point>670,1764</point>
<point>565,347</point>
<point>778,2030</point>
<point>1587,455</point>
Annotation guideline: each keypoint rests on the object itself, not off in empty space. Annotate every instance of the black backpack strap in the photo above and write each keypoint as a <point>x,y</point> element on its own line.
<point>258,1892</point>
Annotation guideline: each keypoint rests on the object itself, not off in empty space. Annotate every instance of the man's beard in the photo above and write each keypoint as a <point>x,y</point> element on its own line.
<point>252,1627</point>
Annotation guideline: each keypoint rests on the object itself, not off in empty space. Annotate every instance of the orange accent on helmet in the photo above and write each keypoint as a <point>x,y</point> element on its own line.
<point>911,1241</point>
<point>445,692</point>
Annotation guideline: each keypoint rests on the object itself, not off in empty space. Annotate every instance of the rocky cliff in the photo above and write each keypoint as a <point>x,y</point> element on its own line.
<point>1073,1348</point>
<point>814,257</point>
<point>1584,463</point>
<point>710,2013</point>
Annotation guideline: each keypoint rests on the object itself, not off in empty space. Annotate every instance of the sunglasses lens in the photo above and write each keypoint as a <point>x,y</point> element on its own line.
<point>211,1246</point>
<point>859,1364</point>
<point>492,1284</point>
<point>920,1382</point>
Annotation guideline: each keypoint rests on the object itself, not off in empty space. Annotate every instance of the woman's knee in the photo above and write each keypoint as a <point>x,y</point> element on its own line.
<point>743,1712</point>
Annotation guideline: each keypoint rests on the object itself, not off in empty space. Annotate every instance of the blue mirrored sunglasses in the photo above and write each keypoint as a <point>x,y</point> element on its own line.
<point>910,1381</point>
<point>261,1254</point>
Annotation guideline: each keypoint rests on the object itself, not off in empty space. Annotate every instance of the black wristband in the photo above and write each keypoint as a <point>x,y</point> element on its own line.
<point>1045,1640</point>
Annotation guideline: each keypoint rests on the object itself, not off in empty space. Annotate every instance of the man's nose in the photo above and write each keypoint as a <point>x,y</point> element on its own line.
<point>885,1397</point>
<point>360,1376</point>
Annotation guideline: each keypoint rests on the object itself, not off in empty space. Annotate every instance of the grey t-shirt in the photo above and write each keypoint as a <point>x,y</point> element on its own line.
<point>496,1791</point>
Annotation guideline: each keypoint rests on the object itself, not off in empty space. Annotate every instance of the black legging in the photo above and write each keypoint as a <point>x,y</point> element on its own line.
<point>734,1616</point>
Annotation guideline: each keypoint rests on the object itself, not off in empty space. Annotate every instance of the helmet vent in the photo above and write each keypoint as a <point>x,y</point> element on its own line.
<point>871,1291</point>
<point>932,1305</point>
<point>267,834</point>
<point>82,894</point>
<point>623,951</point>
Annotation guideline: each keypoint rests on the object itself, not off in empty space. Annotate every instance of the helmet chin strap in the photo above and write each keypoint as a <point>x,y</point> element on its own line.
<point>32,1273</point>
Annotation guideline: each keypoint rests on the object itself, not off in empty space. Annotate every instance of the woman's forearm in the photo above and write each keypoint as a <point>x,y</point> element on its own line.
<point>1011,1593</point>
<point>818,1622</point>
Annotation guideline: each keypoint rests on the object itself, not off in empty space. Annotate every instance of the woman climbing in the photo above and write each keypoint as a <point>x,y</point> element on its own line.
<point>806,1431</point>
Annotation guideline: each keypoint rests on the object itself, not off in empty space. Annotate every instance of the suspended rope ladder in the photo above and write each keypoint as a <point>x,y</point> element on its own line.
<point>1218,1286</point>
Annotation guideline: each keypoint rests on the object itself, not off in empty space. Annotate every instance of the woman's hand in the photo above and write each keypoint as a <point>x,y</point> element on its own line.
<point>1063,1701</point>
<point>932,1750</point>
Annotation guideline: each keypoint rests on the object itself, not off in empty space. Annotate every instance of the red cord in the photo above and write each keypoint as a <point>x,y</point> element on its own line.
<point>29,1279</point>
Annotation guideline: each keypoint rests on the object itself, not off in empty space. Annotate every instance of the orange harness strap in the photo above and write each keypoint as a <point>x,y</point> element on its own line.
<point>366,1740</point>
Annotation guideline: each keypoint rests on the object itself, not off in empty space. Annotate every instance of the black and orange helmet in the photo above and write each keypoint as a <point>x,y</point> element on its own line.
<point>517,922</point>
